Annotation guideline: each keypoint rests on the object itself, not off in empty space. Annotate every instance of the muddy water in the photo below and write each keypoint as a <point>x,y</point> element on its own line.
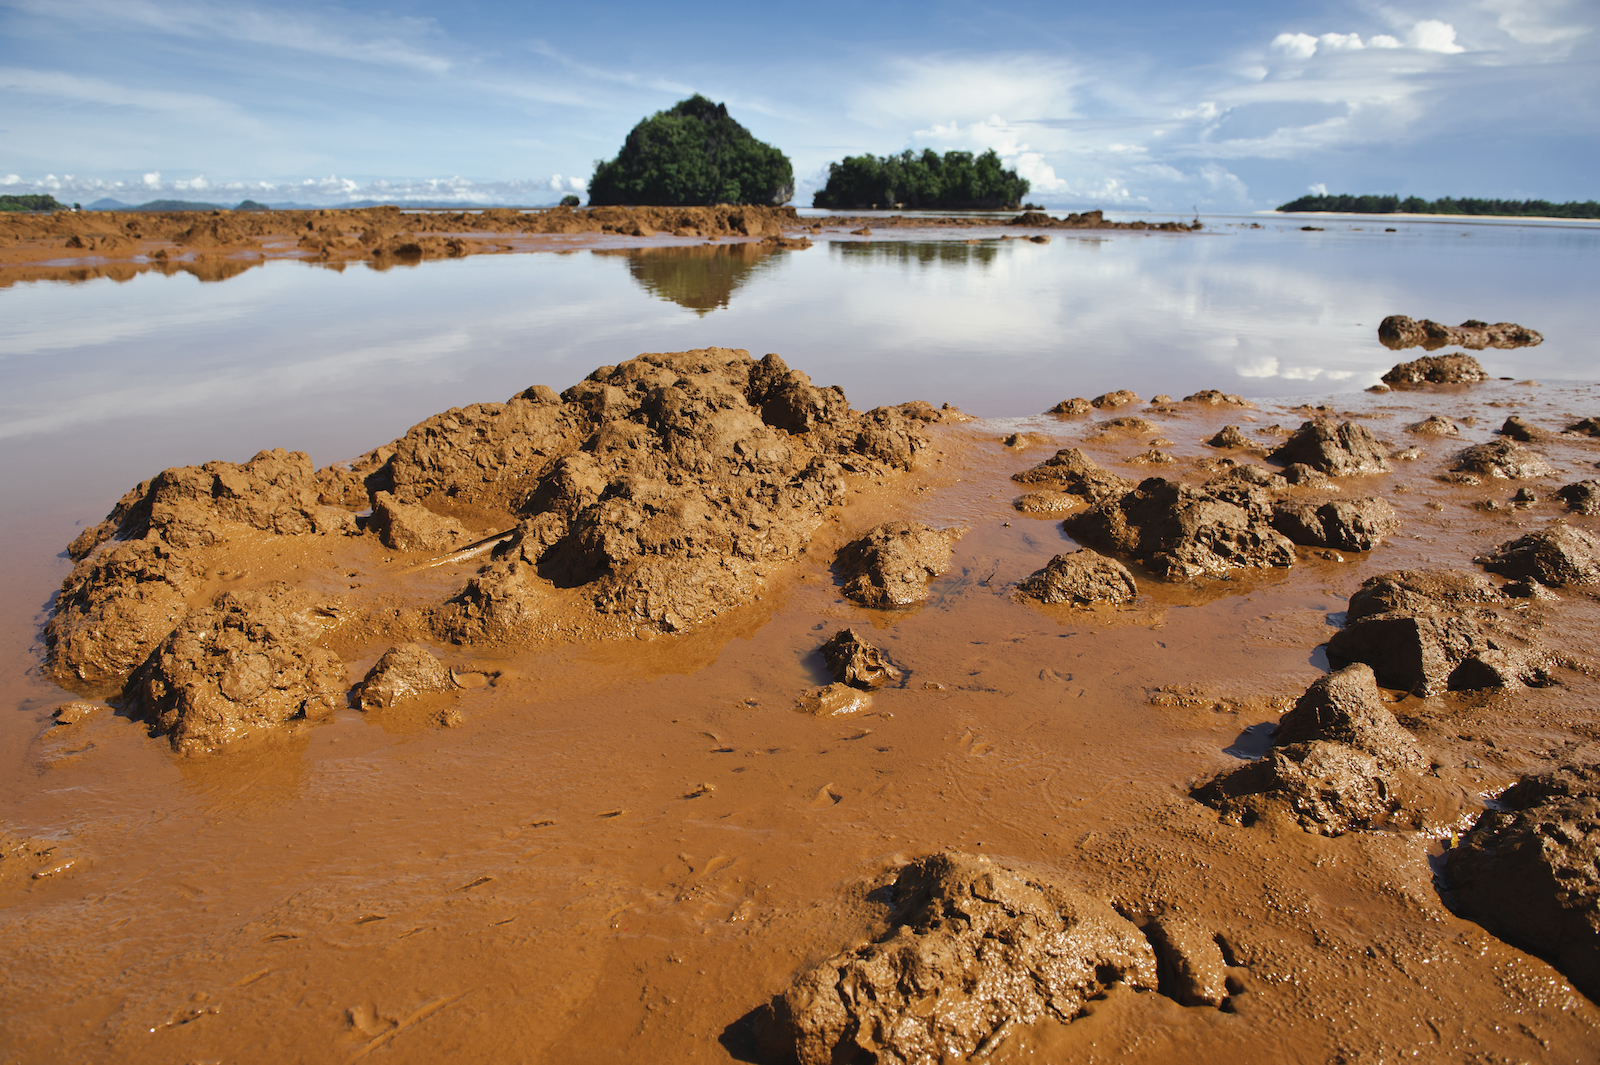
<point>627,847</point>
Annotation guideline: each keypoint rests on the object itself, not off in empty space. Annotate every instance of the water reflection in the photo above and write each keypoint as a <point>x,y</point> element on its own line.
<point>920,252</point>
<point>203,269</point>
<point>701,277</point>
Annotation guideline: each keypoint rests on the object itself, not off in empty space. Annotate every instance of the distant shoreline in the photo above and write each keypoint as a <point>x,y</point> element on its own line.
<point>1586,223</point>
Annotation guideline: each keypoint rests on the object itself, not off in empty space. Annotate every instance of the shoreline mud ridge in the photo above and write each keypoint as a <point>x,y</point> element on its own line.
<point>1439,594</point>
<point>218,244</point>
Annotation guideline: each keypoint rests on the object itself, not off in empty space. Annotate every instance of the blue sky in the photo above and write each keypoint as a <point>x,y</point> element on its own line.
<point>1142,105</point>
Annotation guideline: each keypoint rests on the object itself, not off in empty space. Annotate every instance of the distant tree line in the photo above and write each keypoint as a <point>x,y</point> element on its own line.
<point>40,202</point>
<point>692,155</point>
<point>1447,205</point>
<point>955,180</point>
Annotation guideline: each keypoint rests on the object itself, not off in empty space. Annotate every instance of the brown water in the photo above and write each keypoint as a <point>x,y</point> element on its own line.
<point>555,880</point>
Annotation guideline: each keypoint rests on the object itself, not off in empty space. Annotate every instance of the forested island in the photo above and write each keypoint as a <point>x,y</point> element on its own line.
<point>1345,204</point>
<point>41,202</point>
<point>692,155</point>
<point>953,181</point>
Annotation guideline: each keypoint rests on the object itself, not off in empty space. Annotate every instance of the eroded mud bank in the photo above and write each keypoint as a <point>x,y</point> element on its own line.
<point>1066,656</point>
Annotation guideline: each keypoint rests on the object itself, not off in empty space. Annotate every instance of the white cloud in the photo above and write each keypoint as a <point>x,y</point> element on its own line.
<point>1431,35</point>
<point>1538,22</point>
<point>152,180</point>
<point>1382,40</point>
<point>1319,189</point>
<point>1339,42</point>
<point>1295,45</point>
<point>11,179</point>
<point>952,89</point>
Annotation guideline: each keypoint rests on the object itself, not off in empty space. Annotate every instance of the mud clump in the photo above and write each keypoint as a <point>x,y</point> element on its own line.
<point>889,568</point>
<point>1582,497</point>
<point>1555,557</point>
<point>1397,332</point>
<point>1338,449</point>
<point>240,668</point>
<point>1020,441</point>
<point>1081,577</point>
<point>972,948</point>
<point>1077,405</point>
<point>1119,398</point>
<point>1213,398</point>
<point>1336,763</point>
<point>854,661</point>
<point>1504,460</point>
<point>1429,631</point>
<point>1127,424</point>
<point>405,672</point>
<point>833,700</point>
<point>1585,427</point>
<point>1343,524</point>
<point>413,527</point>
<point>1436,370</point>
<point>1230,437</point>
<point>1516,428</point>
<point>1529,870</point>
<point>1071,471</point>
<point>1434,425</point>
<point>1181,532</point>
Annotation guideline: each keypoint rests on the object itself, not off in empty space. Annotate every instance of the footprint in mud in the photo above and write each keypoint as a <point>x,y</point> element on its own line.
<point>826,797</point>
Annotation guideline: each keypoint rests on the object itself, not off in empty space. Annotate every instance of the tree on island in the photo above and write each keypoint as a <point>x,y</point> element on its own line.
<point>31,202</point>
<point>1346,204</point>
<point>956,180</point>
<point>693,155</point>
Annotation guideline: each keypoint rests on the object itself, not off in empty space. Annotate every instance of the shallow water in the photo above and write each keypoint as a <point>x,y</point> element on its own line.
<point>550,882</point>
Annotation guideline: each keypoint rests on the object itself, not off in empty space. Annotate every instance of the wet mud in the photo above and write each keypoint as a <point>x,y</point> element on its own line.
<point>606,836</point>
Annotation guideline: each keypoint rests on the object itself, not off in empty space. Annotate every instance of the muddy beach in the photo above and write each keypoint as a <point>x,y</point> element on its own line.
<point>633,720</point>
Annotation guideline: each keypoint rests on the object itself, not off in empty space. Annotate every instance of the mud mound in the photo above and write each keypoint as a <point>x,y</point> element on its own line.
<point>1181,532</point>
<point>1529,871</point>
<point>1077,405</point>
<point>1071,471</point>
<point>404,672</point>
<point>1397,331</point>
<point>972,949</point>
<point>1498,460</point>
<point>1119,398</point>
<point>1436,370</point>
<point>1338,449</point>
<point>1080,577</point>
<point>1582,497</point>
<point>1555,557</point>
<point>1584,427</point>
<point>1127,424</point>
<point>1344,524</point>
<point>1434,425</point>
<point>240,668</point>
<point>889,568</point>
<point>1428,631</point>
<point>1516,428</point>
<point>1230,437</point>
<point>854,661</point>
<point>1213,398</point>
<point>1337,763</point>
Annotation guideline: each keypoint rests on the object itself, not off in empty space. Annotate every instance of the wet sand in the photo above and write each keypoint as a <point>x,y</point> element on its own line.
<point>628,846</point>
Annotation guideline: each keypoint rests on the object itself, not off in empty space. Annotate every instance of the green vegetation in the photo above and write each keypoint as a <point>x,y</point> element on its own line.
<point>570,201</point>
<point>40,202</point>
<point>693,155</point>
<point>955,181</point>
<point>1447,205</point>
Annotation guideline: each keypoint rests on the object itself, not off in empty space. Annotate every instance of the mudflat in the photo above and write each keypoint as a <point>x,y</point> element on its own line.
<point>538,734</point>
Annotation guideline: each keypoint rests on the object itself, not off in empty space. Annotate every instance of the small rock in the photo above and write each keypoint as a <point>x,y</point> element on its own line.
<point>854,661</point>
<point>1080,577</point>
<point>1328,787</point>
<point>1397,331</point>
<point>1046,502</point>
<point>405,671</point>
<point>1154,457</point>
<point>1024,440</point>
<point>1556,556</point>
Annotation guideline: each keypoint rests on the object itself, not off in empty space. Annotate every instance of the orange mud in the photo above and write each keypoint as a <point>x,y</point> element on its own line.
<point>216,245</point>
<point>627,846</point>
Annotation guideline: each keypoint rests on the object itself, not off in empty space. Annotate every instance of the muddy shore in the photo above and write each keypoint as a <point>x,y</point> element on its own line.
<point>613,834</point>
<point>214,245</point>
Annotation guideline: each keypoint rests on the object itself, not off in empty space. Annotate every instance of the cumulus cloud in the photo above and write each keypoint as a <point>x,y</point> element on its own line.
<point>1431,35</point>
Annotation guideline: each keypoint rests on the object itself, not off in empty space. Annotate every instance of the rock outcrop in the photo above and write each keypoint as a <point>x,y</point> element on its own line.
<point>1428,631</point>
<point>889,568</point>
<point>1529,870</point>
<point>972,949</point>
<point>1397,332</point>
<point>1555,557</point>
<point>1338,449</point>
<point>1082,577</point>
<point>1453,369</point>
<point>1181,532</point>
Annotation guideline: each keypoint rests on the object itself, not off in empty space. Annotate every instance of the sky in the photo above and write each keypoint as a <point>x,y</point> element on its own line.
<point>1160,105</point>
